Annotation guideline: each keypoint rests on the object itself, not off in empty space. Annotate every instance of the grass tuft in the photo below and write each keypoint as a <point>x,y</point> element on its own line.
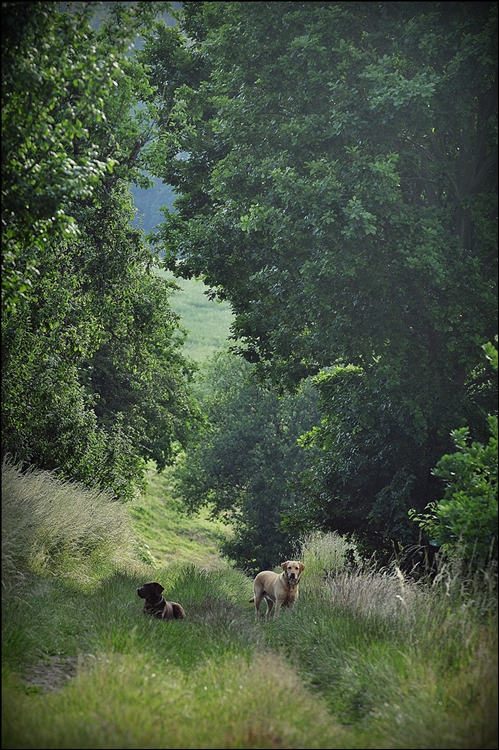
<point>59,528</point>
<point>326,554</point>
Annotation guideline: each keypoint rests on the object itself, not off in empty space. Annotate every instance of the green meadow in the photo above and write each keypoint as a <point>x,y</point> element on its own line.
<point>167,534</point>
<point>206,321</point>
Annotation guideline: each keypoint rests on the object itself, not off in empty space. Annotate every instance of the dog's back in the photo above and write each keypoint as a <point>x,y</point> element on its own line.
<point>172,611</point>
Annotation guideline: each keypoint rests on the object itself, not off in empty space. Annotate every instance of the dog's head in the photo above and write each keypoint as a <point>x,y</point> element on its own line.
<point>293,570</point>
<point>151,590</point>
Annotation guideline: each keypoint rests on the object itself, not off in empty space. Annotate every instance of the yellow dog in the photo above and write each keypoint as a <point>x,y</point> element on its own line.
<point>279,589</point>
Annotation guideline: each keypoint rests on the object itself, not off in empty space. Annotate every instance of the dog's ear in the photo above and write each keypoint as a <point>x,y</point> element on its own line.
<point>158,588</point>
<point>284,565</point>
<point>302,567</point>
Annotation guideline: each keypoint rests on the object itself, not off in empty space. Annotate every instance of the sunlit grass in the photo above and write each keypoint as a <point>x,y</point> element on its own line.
<point>207,322</point>
<point>59,528</point>
<point>167,533</point>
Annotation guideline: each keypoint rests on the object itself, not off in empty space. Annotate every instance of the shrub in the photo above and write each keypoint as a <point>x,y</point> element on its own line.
<point>327,554</point>
<point>464,521</point>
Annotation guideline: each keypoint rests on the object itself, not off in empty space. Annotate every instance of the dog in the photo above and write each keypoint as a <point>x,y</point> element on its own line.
<point>156,604</point>
<point>279,589</point>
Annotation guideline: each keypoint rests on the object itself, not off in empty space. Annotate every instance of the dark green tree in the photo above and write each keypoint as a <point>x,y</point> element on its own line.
<point>246,462</point>
<point>59,76</point>
<point>463,524</point>
<point>336,165</point>
<point>93,380</point>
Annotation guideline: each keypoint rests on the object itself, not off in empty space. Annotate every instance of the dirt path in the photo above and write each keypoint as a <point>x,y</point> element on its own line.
<point>50,674</point>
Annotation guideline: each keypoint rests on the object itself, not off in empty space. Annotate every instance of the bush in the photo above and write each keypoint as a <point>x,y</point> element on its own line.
<point>464,522</point>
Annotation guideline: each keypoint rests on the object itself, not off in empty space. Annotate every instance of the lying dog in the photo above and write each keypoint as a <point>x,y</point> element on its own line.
<point>281,590</point>
<point>156,604</point>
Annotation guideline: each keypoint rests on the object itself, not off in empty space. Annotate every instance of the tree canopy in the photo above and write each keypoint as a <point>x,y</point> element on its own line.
<point>60,81</point>
<point>336,171</point>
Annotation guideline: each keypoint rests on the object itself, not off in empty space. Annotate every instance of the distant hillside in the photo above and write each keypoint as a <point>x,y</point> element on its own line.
<point>148,202</point>
<point>207,322</point>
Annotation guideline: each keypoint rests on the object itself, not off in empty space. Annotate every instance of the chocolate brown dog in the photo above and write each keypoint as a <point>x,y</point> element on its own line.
<point>156,604</point>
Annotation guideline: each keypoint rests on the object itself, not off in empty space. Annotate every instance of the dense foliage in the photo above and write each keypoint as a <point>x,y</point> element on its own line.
<point>336,165</point>
<point>60,80</point>
<point>464,522</point>
<point>93,380</point>
<point>246,462</point>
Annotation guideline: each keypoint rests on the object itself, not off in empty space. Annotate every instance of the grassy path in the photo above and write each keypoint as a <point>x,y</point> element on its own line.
<point>84,666</point>
<point>167,535</point>
<point>366,659</point>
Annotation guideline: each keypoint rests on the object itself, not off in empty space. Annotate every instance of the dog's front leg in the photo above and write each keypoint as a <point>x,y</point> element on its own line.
<point>278,605</point>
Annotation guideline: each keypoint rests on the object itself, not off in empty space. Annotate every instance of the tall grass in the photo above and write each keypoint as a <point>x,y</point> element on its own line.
<point>413,662</point>
<point>365,659</point>
<point>59,528</point>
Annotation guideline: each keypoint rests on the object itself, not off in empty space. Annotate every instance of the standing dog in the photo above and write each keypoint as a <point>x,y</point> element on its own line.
<point>281,590</point>
<point>156,604</point>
